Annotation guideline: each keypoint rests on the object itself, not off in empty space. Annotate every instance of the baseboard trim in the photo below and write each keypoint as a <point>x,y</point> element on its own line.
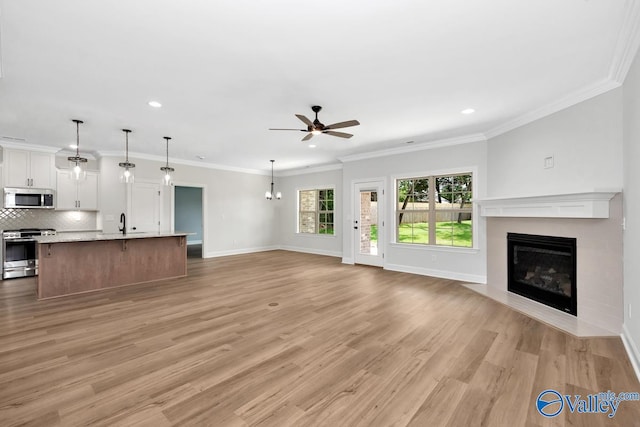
<point>240,251</point>
<point>442,274</point>
<point>311,251</point>
<point>347,261</point>
<point>632,350</point>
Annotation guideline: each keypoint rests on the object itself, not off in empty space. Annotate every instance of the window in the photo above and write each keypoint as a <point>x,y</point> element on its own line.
<point>315,211</point>
<point>435,210</point>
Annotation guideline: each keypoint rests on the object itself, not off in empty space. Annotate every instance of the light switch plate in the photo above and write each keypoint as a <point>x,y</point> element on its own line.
<point>548,162</point>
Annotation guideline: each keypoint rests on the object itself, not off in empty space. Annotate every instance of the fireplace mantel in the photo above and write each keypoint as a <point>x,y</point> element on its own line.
<point>575,205</point>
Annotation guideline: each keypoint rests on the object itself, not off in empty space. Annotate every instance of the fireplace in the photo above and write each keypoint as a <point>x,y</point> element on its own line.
<point>543,268</point>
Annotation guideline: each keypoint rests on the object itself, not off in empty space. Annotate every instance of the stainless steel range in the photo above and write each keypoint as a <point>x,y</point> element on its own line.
<point>19,251</point>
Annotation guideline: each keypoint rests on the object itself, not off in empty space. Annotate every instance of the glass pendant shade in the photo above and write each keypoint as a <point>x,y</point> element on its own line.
<point>269,194</point>
<point>77,171</point>
<point>167,171</point>
<point>127,176</point>
<point>126,173</point>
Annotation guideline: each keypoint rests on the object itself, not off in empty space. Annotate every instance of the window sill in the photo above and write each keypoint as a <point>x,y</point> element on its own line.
<point>432,248</point>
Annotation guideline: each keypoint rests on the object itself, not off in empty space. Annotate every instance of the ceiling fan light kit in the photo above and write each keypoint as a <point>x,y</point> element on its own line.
<point>316,127</point>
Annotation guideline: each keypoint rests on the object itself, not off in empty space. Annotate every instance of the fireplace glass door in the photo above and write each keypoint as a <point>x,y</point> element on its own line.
<point>543,268</point>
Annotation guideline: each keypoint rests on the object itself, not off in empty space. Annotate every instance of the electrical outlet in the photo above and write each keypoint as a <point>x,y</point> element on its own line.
<point>433,258</point>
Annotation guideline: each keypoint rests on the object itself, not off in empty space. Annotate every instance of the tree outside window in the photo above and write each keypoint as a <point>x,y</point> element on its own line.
<point>435,210</point>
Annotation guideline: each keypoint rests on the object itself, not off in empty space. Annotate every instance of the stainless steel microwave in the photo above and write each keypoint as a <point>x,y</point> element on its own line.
<point>28,198</point>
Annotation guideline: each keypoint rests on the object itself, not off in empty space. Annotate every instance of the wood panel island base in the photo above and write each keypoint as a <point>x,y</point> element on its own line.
<point>73,265</point>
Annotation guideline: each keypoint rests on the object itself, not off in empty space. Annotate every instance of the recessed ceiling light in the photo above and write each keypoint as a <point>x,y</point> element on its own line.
<point>409,142</point>
<point>73,146</point>
<point>155,104</point>
<point>312,145</point>
<point>200,157</point>
<point>468,111</point>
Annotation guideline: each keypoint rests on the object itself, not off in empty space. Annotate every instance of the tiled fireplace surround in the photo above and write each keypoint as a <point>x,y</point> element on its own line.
<point>599,268</point>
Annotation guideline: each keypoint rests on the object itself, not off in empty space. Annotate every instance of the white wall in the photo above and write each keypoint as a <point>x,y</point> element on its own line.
<point>585,140</point>
<point>461,264</point>
<point>288,219</point>
<point>631,210</point>
<point>237,217</point>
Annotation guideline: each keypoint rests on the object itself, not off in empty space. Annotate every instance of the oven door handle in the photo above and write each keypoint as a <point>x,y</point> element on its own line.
<point>19,240</point>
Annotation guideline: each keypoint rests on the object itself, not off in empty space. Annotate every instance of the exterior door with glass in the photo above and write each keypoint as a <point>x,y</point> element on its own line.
<point>368,230</point>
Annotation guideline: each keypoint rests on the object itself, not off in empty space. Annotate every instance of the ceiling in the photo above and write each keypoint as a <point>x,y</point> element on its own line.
<point>225,71</point>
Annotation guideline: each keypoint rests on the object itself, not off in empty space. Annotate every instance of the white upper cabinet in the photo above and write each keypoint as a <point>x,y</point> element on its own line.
<point>76,195</point>
<point>28,169</point>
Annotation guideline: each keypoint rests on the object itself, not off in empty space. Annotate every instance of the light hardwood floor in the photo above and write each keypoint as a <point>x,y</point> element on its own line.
<point>281,338</point>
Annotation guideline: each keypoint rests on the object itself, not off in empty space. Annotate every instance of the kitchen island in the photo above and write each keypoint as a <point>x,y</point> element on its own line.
<point>74,263</point>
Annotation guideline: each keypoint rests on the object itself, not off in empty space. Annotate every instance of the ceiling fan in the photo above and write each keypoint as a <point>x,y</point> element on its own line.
<point>316,128</point>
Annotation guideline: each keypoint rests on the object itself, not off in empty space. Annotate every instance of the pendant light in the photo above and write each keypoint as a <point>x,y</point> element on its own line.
<point>166,170</point>
<point>75,162</point>
<point>126,175</point>
<point>269,195</point>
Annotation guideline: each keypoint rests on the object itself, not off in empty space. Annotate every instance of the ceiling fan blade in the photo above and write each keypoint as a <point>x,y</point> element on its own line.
<point>346,124</point>
<point>305,120</point>
<point>308,137</point>
<point>299,130</point>
<point>339,134</point>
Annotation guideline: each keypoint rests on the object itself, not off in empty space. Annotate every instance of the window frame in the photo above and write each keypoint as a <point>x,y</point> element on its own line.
<point>473,171</point>
<point>317,189</point>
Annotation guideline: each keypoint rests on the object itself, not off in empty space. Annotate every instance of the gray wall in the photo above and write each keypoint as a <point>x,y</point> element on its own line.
<point>631,90</point>
<point>288,213</point>
<point>462,264</point>
<point>237,217</point>
<point>188,211</point>
<point>585,140</point>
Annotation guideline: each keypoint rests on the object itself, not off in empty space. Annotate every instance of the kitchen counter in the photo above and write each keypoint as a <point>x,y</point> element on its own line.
<point>91,236</point>
<point>74,263</point>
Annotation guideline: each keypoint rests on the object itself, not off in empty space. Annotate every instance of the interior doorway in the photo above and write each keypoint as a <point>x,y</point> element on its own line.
<point>188,217</point>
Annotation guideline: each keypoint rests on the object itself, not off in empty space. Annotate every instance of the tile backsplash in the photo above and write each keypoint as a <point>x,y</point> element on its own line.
<point>13,219</point>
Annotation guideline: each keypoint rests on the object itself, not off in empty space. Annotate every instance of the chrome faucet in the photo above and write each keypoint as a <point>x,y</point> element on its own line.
<point>123,221</point>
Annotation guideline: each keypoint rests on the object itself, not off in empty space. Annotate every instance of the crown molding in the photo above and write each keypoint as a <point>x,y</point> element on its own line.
<point>628,42</point>
<point>574,98</point>
<point>162,159</point>
<point>429,145</point>
<point>12,143</point>
<point>309,169</point>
